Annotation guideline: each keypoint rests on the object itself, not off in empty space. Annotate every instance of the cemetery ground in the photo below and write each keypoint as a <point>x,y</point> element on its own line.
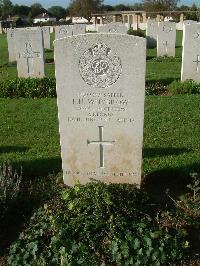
<point>29,138</point>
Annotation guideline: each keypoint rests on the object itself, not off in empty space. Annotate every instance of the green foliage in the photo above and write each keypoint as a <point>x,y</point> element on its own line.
<point>58,11</point>
<point>186,87</point>
<point>138,32</point>
<point>165,59</point>
<point>155,88</point>
<point>84,8</point>
<point>9,187</point>
<point>28,88</point>
<point>188,205</point>
<point>94,224</point>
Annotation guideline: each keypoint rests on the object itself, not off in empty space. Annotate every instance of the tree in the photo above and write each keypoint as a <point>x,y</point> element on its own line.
<point>160,5</point>
<point>57,11</point>
<point>121,7</point>
<point>84,8</point>
<point>37,9</point>
<point>6,7</point>
<point>21,10</point>
<point>194,14</point>
<point>107,8</point>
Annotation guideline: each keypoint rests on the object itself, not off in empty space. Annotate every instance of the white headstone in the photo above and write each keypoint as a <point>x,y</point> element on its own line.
<point>151,33</point>
<point>142,25</point>
<point>1,28</point>
<point>191,53</point>
<point>189,22</point>
<point>114,27</point>
<point>63,31</point>
<point>166,40</point>
<point>46,37</point>
<point>179,26</point>
<point>79,29</point>
<point>100,94</point>
<point>185,23</point>
<point>29,53</point>
<point>134,26</point>
<point>51,29</point>
<point>11,44</point>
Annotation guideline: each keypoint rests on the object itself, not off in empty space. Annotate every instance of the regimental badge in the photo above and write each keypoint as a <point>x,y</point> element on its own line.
<point>99,67</point>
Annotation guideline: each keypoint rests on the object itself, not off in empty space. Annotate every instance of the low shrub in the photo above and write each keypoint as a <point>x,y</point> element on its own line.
<point>164,59</point>
<point>28,88</point>
<point>138,32</point>
<point>97,224</point>
<point>9,187</point>
<point>156,87</point>
<point>186,87</point>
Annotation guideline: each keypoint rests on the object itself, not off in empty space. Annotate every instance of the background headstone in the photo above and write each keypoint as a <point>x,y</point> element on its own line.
<point>51,29</point>
<point>63,31</point>
<point>166,40</point>
<point>29,53</point>
<point>191,53</point>
<point>11,44</point>
<point>100,93</point>
<point>46,37</point>
<point>1,28</point>
<point>151,33</point>
<point>79,29</point>
<point>114,27</point>
<point>185,23</point>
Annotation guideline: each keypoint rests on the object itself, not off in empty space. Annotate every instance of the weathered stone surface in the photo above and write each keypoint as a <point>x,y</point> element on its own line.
<point>166,40</point>
<point>191,53</point>
<point>185,23</point>
<point>151,33</point>
<point>63,31</point>
<point>114,27</point>
<point>79,29</point>
<point>100,94</point>
<point>11,44</point>
<point>29,53</point>
<point>46,37</point>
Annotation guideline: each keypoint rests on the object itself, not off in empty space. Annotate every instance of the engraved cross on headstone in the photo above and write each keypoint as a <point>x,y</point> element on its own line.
<point>197,61</point>
<point>28,54</point>
<point>101,144</point>
<point>166,45</point>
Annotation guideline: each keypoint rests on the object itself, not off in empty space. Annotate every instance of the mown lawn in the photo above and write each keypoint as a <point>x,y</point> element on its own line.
<point>29,136</point>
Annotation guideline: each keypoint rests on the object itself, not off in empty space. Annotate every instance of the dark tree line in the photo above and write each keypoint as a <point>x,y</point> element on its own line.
<point>85,8</point>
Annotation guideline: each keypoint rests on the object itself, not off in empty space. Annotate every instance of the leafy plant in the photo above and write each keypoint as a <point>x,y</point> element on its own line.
<point>94,224</point>
<point>28,88</point>
<point>10,182</point>
<point>138,32</point>
<point>165,59</point>
<point>188,205</point>
<point>186,87</point>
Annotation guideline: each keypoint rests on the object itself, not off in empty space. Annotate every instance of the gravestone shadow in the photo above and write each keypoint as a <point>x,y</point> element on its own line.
<point>173,179</point>
<point>10,149</point>
<point>167,151</point>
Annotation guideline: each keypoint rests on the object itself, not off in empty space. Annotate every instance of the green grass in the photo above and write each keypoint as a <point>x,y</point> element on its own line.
<point>29,136</point>
<point>164,70</point>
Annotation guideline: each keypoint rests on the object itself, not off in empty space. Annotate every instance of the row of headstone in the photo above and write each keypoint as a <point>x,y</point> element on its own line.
<point>69,30</point>
<point>114,27</point>
<point>11,33</point>
<point>162,35</point>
